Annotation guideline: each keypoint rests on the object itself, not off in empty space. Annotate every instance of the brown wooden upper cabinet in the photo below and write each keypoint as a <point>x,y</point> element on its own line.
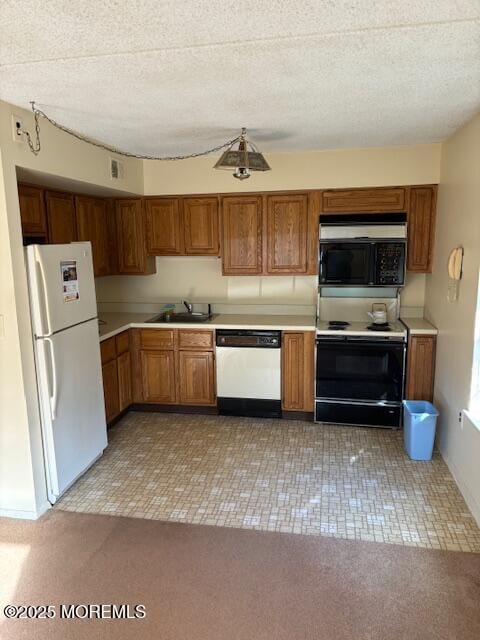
<point>164,234</point>
<point>92,224</point>
<point>131,242</point>
<point>200,226</point>
<point>421,228</point>
<point>288,248</point>
<point>182,226</point>
<point>368,200</point>
<point>242,221</point>
<point>62,227</point>
<point>32,211</point>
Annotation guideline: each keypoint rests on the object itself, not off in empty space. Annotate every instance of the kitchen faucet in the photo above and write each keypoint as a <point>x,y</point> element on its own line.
<point>188,305</point>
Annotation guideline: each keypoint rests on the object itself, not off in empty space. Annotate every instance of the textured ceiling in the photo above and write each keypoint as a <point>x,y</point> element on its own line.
<point>170,76</point>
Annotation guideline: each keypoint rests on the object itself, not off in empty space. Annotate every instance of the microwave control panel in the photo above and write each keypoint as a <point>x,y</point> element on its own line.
<point>390,263</point>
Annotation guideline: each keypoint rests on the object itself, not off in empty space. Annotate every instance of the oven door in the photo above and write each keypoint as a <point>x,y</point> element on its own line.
<point>346,263</point>
<point>355,369</point>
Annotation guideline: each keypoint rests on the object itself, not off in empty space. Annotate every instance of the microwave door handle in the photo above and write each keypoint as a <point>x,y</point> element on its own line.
<point>371,265</point>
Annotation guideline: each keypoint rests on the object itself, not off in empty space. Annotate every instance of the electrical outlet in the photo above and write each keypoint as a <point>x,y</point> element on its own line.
<point>17,124</point>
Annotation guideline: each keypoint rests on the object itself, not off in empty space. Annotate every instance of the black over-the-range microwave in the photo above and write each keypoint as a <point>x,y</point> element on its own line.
<point>363,250</point>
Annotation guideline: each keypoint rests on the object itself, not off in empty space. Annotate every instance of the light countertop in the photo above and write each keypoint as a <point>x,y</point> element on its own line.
<point>419,326</point>
<point>117,322</point>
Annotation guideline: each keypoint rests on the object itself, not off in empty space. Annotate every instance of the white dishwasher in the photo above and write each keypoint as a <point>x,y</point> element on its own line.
<point>248,372</point>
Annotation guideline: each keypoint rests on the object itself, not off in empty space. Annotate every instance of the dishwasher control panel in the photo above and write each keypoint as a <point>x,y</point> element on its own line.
<point>249,338</point>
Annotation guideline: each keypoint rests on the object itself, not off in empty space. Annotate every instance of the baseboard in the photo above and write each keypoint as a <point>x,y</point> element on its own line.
<point>174,408</point>
<point>25,515</point>
<point>119,417</point>
<point>298,415</point>
<point>472,504</point>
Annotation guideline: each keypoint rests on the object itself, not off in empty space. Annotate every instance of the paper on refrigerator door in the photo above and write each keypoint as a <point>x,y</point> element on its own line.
<point>69,280</point>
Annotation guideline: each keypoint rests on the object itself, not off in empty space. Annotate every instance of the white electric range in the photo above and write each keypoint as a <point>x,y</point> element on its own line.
<point>360,373</point>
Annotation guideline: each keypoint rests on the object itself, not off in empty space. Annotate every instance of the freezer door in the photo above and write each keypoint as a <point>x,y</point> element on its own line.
<point>69,378</point>
<point>62,287</point>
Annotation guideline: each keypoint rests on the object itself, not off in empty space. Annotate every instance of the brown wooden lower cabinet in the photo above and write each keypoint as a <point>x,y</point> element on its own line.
<point>175,366</point>
<point>117,374</point>
<point>124,369</point>
<point>421,367</point>
<point>196,377</point>
<point>158,376</point>
<point>110,390</point>
<point>298,358</point>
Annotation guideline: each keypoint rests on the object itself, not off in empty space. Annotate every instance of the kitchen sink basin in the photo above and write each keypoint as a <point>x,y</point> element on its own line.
<point>194,316</point>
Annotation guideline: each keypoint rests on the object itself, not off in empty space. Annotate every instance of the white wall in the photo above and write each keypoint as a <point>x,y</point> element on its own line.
<point>200,279</point>
<point>458,223</point>
<point>22,484</point>
<point>373,167</point>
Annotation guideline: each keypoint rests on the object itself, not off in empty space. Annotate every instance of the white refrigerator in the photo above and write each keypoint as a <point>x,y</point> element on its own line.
<point>67,360</point>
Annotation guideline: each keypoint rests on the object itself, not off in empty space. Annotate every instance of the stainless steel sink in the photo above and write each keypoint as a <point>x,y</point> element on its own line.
<point>194,316</point>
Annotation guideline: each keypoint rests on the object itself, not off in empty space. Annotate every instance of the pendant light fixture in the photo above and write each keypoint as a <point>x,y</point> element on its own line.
<point>245,158</point>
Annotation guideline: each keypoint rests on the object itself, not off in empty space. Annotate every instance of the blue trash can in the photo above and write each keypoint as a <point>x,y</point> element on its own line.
<point>419,422</point>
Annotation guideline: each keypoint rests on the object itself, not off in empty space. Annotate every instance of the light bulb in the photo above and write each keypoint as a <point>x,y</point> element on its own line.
<point>241,173</point>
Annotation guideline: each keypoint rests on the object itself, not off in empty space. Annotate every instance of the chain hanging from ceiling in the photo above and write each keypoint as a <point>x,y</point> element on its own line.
<point>35,146</point>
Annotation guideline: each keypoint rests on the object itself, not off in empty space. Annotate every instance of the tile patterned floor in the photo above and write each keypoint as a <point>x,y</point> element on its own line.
<point>295,477</point>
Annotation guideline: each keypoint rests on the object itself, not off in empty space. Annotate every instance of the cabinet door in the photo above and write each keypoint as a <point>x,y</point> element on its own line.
<point>32,210</point>
<point>242,235</point>
<point>421,368</point>
<point>131,244</point>
<point>92,224</point>
<point>200,220</point>
<point>164,233</point>
<point>298,357</point>
<point>287,234</point>
<point>110,390</point>
<point>124,380</point>
<point>421,229</point>
<point>61,217</point>
<point>158,376</point>
<point>196,377</point>
<point>373,200</point>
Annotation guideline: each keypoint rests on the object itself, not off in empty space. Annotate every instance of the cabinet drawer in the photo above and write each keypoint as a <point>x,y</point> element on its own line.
<point>107,350</point>
<point>122,342</point>
<point>157,338</point>
<point>200,339</point>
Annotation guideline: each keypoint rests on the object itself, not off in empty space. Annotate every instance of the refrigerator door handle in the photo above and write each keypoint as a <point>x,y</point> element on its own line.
<point>54,397</point>
<point>45,301</point>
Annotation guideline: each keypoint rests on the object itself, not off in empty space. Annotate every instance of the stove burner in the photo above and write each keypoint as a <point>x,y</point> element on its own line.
<point>384,326</point>
<point>338,323</point>
<point>334,327</point>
